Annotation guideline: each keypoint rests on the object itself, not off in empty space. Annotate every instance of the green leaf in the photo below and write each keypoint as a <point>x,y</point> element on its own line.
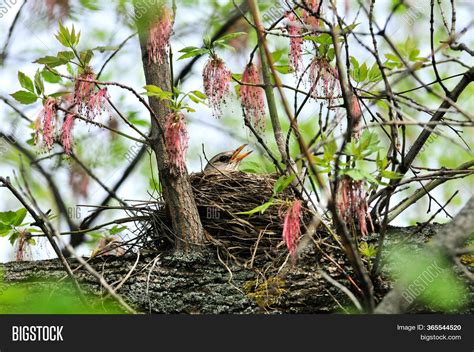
<point>230,36</point>
<point>193,53</point>
<point>374,73</point>
<point>66,55</point>
<point>392,175</point>
<point>277,55</point>
<point>282,183</point>
<point>50,77</point>
<point>86,56</point>
<point>138,122</point>
<point>116,229</point>
<point>260,209</point>
<point>284,69</point>
<point>13,218</point>
<point>392,57</point>
<point>199,94</point>
<point>59,94</point>
<point>363,72</point>
<point>188,49</point>
<point>51,61</point>
<point>39,85</point>
<point>323,38</point>
<point>26,82</point>
<point>24,97</point>
<point>367,250</point>
<point>13,237</point>
<point>103,49</point>
<point>330,148</point>
<point>354,62</point>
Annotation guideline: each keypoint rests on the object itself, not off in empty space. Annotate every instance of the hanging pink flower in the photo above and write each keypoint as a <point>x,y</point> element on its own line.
<point>309,17</point>
<point>324,79</point>
<point>66,132</point>
<point>47,119</point>
<point>253,98</point>
<point>291,226</point>
<point>83,91</point>
<point>352,203</point>
<point>54,9</point>
<point>296,42</point>
<point>98,103</point>
<point>356,114</point>
<point>176,140</point>
<point>159,36</point>
<point>23,246</point>
<point>216,78</point>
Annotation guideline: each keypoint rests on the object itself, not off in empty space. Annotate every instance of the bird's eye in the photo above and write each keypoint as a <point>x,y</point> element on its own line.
<point>223,158</point>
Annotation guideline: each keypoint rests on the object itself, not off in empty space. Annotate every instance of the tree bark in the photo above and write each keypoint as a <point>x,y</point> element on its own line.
<point>177,191</point>
<point>200,282</point>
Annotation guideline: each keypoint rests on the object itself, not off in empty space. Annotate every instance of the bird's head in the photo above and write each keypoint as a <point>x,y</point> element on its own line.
<point>227,161</point>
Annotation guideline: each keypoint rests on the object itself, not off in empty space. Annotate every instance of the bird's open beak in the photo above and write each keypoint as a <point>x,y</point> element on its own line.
<point>237,157</point>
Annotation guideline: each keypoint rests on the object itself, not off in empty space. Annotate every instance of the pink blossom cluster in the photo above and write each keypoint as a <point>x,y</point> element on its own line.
<point>356,114</point>
<point>291,226</point>
<point>324,79</point>
<point>352,203</point>
<point>252,97</point>
<point>46,118</point>
<point>176,141</point>
<point>216,78</point>
<point>159,36</point>
<point>23,246</point>
<point>296,42</point>
<point>66,132</point>
<point>90,103</point>
<point>309,17</point>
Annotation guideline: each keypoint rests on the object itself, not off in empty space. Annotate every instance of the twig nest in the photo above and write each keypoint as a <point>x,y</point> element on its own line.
<point>224,200</point>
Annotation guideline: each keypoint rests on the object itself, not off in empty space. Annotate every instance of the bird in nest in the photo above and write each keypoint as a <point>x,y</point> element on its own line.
<point>227,161</point>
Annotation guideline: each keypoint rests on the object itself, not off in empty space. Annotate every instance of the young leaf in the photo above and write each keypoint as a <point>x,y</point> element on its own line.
<point>230,36</point>
<point>13,218</point>
<point>24,97</point>
<point>116,229</point>
<point>25,82</point>
<point>282,183</point>
<point>39,85</point>
<point>260,209</point>
<point>51,61</point>
<point>50,77</point>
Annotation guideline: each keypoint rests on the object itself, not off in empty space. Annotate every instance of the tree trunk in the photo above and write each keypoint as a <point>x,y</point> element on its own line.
<point>201,283</point>
<point>177,191</point>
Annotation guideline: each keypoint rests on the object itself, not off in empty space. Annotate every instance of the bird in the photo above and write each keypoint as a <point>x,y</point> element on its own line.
<point>226,161</point>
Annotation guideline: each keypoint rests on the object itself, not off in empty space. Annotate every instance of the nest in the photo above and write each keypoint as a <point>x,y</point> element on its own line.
<point>222,198</point>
